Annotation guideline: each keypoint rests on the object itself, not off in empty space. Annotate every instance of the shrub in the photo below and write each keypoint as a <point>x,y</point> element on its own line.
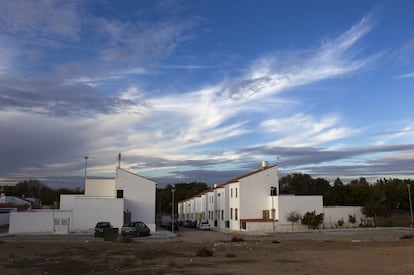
<point>313,220</point>
<point>293,217</point>
<point>352,219</point>
<point>204,252</point>
<point>340,222</point>
<point>236,239</point>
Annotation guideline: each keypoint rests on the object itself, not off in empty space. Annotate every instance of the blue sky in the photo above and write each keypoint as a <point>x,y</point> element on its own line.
<point>205,90</point>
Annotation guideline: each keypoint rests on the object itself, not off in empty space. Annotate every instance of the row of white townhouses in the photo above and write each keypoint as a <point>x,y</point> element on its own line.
<point>252,202</point>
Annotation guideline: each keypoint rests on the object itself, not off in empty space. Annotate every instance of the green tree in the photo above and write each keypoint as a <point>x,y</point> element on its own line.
<point>183,191</point>
<point>303,184</point>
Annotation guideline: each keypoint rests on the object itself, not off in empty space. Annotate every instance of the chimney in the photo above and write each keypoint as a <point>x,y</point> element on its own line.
<point>264,164</point>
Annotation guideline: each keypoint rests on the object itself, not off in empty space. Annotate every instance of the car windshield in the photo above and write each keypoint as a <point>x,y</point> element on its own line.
<point>103,224</point>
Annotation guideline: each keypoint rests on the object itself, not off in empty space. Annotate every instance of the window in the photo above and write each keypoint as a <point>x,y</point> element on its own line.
<point>222,215</point>
<point>119,194</point>
<point>235,214</point>
<point>231,213</point>
<point>236,192</point>
<point>231,192</point>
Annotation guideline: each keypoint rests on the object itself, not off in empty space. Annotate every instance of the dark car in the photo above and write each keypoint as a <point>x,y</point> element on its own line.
<point>135,229</point>
<point>190,224</point>
<point>99,228</point>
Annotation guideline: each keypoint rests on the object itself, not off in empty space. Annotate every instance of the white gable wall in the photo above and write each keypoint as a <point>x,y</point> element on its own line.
<point>100,187</point>
<point>255,190</point>
<point>139,196</point>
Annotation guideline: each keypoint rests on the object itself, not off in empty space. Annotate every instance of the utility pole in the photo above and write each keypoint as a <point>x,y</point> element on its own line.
<point>411,204</point>
<point>86,164</point>
<point>172,211</point>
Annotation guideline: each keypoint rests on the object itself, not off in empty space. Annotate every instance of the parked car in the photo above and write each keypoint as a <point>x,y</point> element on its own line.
<point>135,229</point>
<point>203,225</point>
<point>99,228</point>
<point>190,224</point>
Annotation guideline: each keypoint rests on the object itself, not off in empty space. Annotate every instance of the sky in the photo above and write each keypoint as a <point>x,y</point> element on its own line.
<point>205,90</point>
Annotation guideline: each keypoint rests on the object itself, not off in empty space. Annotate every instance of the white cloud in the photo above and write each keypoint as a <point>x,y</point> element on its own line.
<point>304,130</point>
<point>41,18</point>
<point>407,75</point>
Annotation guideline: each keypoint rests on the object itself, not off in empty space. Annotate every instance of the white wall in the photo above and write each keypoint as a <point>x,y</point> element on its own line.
<point>87,211</point>
<point>255,190</point>
<point>67,201</point>
<point>334,213</point>
<point>40,221</point>
<point>100,187</point>
<point>234,203</point>
<point>139,196</point>
<point>5,215</point>
<point>301,204</point>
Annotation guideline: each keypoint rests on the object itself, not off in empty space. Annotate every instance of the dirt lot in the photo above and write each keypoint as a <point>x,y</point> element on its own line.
<point>376,251</point>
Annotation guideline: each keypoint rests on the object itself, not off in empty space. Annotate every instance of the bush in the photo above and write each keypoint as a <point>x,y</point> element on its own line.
<point>204,252</point>
<point>313,220</point>
<point>340,222</point>
<point>236,239</point>
<point>352,219</point>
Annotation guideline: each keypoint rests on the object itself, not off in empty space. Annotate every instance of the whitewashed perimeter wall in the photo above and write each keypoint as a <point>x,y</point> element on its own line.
<point>335,213</point>
<point>88,211</point>
<point>100,187</point>
<point>5,215</point>
<point>36,221</point>
<point>67,201</point>
<point>301,204</point>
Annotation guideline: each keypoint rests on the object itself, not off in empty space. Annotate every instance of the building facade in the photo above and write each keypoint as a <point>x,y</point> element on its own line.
<point>252,202</point>
<point>127,197</point>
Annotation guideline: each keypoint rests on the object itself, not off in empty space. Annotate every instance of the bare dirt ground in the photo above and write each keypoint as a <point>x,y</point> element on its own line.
<point>374,251</point>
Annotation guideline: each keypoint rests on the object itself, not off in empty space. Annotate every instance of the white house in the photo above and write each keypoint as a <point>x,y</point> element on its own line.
<point>252,202</point>
<point>127,197</point>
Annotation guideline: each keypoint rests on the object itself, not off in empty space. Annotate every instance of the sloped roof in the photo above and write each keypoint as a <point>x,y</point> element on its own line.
<point>232,181</point>
<point>134,174</point>
<point>249,174</point>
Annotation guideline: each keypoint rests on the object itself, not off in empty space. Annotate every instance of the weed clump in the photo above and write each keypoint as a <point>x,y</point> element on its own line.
<point>204,252</point>
<point>236,239</point>
<point>126,239</point>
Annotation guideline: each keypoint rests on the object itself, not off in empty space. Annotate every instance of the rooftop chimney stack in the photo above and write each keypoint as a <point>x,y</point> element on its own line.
<point>264,164</point>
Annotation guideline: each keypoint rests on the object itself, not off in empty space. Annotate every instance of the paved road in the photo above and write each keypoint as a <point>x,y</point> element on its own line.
<point>193,235</point>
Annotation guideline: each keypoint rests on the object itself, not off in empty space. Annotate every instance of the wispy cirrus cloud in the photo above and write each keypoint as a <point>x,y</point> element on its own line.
<point>407,75</point>
<point>197,115</point>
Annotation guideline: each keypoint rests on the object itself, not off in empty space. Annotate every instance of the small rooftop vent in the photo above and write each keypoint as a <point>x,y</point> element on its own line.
<point>264,164</point>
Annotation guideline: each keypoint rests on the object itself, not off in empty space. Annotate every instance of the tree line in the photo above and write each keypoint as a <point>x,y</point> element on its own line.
<point>381,198</point>
<point>36,189</point>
